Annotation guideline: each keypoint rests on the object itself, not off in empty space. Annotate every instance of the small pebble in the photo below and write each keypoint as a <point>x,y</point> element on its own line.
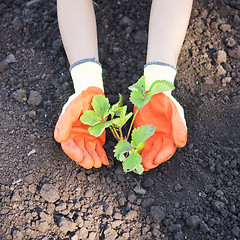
<point>157,213</point>
<point>236,231</point>
<point>218,206</point>
<point>225,27</point>
<point>110,234</point>
<point>131,215</point>
<point>193,221</point>
<point>83,233</point>
<point>139,190</point>
<point>32,114</point>
<point>203,227</point>
<point>221,56</point>
<point>148,183</point>
<point>10,59</point>
<point>20,95</point>
<point>234,53</point>
<point>17,235</point>
<point>16,197</point>
<point>225,81</point>
<point>34,98</point>
<point>220,71</point>
<point>49,193</point>
<point>92,236</point>
<point>66,225</point>
<point>4,211</point>
<point>174,228</point>
<point>132,198</point>
<point>43,226</point>
<point>179,236</point>
<point>230,42</point>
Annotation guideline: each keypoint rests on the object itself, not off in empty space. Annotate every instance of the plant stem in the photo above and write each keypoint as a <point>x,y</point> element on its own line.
<point>113,133</point>
<point>121,135</point>
<point>114,129</point>
<point>130,128</point>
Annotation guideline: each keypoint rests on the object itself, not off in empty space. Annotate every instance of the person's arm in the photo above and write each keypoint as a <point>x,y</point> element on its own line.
<point>167,28</point>
<point>77,24</point>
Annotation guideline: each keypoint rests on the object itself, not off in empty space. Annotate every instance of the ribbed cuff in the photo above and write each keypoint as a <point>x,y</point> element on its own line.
<point>159,63</point>
<point>83,61</point>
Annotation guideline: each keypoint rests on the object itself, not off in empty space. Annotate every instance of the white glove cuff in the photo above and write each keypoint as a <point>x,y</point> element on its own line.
<point>86,73</point>
<point>154,71</point>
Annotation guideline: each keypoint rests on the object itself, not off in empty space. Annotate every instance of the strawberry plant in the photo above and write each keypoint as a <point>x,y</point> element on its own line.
<point>125,151</point>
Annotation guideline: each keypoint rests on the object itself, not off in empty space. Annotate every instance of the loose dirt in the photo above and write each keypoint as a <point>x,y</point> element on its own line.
<point>45,195</point>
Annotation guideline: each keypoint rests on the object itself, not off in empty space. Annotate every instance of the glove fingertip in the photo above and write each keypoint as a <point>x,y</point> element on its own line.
<point>87,163</point>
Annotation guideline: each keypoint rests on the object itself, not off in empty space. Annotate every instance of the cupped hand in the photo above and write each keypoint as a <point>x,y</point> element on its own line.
<point>73,135</point>
<point>170,130</point>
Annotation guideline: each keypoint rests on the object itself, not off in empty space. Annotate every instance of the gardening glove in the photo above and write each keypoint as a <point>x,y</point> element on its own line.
<point>73,135</point>
<point>166,114</point>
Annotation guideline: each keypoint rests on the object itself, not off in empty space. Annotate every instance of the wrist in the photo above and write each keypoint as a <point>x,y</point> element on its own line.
<point>86,73</point>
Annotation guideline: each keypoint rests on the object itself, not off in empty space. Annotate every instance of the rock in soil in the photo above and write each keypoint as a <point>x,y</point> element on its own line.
<point>34,98</point>
<point>49,193</point>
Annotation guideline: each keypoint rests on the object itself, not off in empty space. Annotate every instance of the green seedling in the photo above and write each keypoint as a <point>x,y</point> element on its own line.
<point>125,151</point>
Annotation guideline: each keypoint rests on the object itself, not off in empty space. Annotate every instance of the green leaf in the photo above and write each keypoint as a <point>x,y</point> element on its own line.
<point>139,86</point>
<point>160,86</point>
<point>141,134</point>
<point>117,107</point>
<point>114,110</point>
<point>122,157</point>
<point>123,117</point>
<point>122,147</point>
<point>101,105</point>
<point>131,162</point>
<point>98,129</point>
<point>138,99</point>
<point>139,169</point>
<point>90,117</point>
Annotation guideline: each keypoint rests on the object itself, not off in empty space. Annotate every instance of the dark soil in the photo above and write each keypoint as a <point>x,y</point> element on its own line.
<point>45,195</point>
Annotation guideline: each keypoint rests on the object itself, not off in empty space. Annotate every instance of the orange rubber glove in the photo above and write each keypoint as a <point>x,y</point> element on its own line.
<point>73,135</point>
<point>166,114</point>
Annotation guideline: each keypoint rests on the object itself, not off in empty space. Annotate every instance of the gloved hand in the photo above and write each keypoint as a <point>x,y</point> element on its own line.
<point>166,114</point>
<point>73,135</point>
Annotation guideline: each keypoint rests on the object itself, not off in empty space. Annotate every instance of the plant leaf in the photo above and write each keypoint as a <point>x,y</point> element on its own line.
<point>122,157</point>
<point>123,117</point>
<point>139,169</point>
<point>114,110</point>
<point>117,107</point>
<point>138,99</point>
<point>139,85</point>
<point>101,105</point>
<point>160,86</point>
<point>131,162</point>
<point>98,129</point>
<point>122,147</point>
<point>141,134</point>
<point>90,117</point>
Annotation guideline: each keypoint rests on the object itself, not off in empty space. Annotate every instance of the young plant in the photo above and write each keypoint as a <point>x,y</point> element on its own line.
<point>125,151</point>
